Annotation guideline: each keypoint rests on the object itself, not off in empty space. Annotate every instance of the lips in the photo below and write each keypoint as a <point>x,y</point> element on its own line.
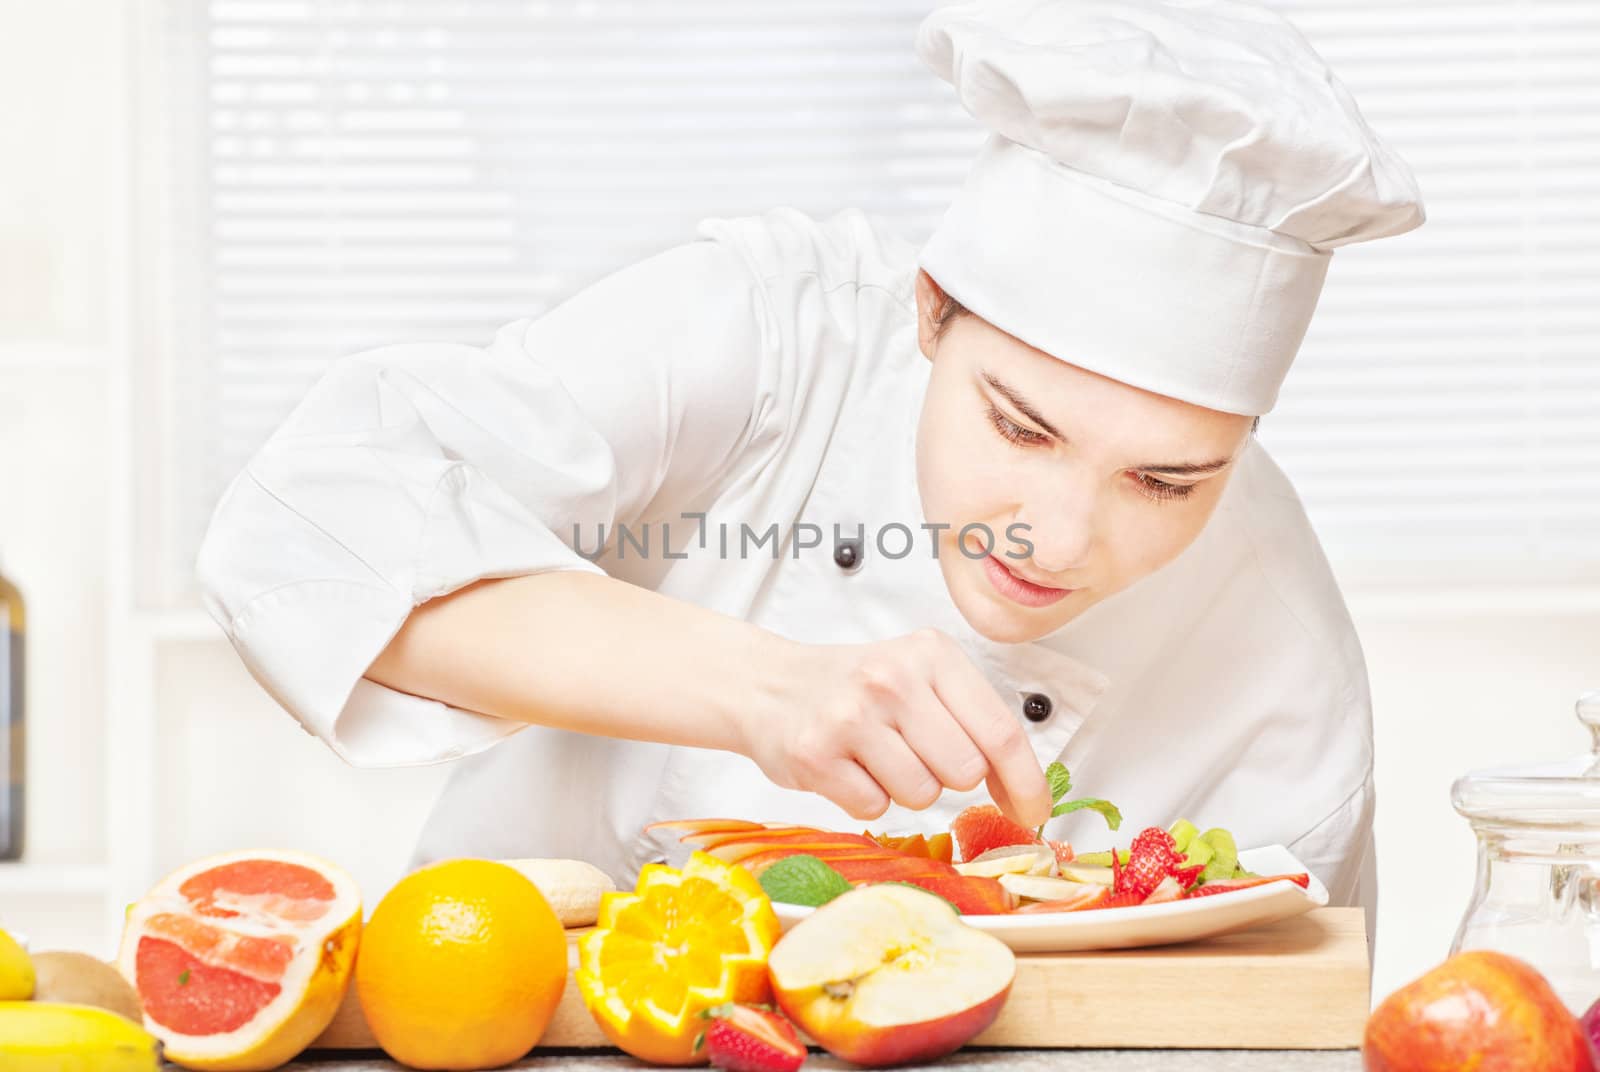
<point>1019,590</point>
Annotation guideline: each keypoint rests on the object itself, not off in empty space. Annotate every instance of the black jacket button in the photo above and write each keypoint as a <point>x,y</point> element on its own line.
<point>847,554</point>
<point>1036,706</point>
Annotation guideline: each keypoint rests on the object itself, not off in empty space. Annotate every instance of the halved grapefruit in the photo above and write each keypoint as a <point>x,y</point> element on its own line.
<point>241,960</point>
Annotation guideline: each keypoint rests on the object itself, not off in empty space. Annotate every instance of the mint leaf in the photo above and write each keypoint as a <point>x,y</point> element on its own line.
<point>803,880</point>
<point>1060,781</point>
<point>1107,810</point>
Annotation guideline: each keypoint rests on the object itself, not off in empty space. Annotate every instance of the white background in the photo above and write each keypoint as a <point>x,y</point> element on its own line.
<point>149,745</point>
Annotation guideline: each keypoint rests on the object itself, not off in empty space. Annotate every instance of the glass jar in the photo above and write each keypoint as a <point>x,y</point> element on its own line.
<point>1538,883</point>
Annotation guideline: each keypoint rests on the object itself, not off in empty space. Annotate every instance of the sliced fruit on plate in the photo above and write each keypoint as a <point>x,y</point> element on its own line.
<point>682,942</point>
<point>758,862</point>
<point>702,826</point>
<point>1011,860</point>
<point>1152,858</point>
<point>889,869</point>
<point>773,835</point>
<point>1045,887</point>
<point>1168,889</point>
<point>1085,896</point>
<point>983,827</point>
<point>1080,872</point>
<point>241,960</point>
<point>734,851</point>
<point>934,846</point>
<point>889,975</point>
<point>1211,889</point>
<point>972,896</point>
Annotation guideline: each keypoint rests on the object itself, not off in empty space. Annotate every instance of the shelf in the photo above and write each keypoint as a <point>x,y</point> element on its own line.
<point>24,879</point>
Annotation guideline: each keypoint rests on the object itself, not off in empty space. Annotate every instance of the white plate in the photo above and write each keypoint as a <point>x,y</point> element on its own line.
<point>1157,924</point>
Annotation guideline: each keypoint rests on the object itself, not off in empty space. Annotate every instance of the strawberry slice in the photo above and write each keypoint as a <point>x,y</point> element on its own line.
<point>750,1038</point>
<point>1152,858</point>
<point>1229,885</point>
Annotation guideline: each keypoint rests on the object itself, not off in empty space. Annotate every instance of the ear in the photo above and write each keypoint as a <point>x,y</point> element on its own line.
<point>930,299</point>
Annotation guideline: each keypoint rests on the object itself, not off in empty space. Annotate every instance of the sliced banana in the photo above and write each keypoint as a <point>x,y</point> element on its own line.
<point>572,887</point>
<point>1099,876</point>
<point>1043,887</point>
<point>1011,860</point>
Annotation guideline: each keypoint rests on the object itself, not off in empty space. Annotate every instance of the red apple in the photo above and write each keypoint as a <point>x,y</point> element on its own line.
<point>1480,1010</point>
<point>888,974</point>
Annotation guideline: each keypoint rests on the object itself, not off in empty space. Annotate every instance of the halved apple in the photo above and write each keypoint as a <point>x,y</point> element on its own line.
<point>885,975</point>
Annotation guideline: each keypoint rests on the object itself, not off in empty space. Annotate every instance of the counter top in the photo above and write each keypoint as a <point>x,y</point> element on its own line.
<point>969,1060</point>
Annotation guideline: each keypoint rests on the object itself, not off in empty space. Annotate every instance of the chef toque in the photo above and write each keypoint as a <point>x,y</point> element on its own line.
<point>1161,189</point>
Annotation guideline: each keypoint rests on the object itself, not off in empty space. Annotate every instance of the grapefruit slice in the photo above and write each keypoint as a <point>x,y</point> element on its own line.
<point>241,960</point>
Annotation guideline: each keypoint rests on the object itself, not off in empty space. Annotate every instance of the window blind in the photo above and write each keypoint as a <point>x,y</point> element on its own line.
<point>374,171</point>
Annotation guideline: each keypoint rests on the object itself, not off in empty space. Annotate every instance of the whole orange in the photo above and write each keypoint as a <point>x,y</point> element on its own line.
<point>461,966</point>
<point>1479,1010</point>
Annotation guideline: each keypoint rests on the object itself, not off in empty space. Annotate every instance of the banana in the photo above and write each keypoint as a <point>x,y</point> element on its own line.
<point>572,887</point>
<point>45,1036</point>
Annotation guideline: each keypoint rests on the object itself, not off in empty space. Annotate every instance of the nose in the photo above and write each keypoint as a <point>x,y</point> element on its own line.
<point>1061,521</point>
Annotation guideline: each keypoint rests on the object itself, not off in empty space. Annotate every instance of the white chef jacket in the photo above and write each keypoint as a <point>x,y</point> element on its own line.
<point>768,372</point>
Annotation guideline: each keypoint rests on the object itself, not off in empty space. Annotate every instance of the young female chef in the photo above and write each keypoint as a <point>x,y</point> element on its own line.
<point>798,523</point>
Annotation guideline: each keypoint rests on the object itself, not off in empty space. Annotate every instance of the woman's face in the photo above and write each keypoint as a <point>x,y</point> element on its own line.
<point>1107,482</point>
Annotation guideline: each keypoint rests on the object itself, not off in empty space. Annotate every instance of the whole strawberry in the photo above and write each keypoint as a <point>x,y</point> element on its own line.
<point>750,1038</point>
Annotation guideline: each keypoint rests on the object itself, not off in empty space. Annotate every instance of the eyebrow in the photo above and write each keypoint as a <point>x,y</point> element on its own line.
<point>1015,397</point>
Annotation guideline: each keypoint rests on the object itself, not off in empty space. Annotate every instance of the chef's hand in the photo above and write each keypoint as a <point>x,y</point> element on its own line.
<point>897,720</point>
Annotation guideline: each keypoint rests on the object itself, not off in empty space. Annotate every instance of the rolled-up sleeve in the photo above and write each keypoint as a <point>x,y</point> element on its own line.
<point>411,471</point>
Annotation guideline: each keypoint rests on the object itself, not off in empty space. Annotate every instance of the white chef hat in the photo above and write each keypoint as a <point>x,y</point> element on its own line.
<point>1161,190</point>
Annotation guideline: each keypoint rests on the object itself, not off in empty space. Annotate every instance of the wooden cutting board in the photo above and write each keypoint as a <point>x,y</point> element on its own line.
<point>1298,984</point>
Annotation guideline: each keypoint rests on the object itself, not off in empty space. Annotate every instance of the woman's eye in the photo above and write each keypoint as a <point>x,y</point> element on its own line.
<point>1013,432</point>
<point>1160,489</point>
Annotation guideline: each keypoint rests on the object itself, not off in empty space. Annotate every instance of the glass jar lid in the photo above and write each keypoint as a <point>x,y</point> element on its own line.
<point>1563,793</point>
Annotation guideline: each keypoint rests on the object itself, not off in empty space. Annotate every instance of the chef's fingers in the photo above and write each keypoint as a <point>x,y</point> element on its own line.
<point>1024,795</point>
<point>894,766</point>
<point>853,789</point>
<point>941,742</point>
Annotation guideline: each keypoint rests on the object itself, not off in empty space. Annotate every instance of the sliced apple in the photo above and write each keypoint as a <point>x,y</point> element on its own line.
<point>887,975</point>
<point>740,850</point>
<point>1011,860</point>
<point>893,869</point>
<point>702,826</point>
<point>1099,876</point>
<point>712,838</point>
<point>832,857</point>
<point>972,895</point>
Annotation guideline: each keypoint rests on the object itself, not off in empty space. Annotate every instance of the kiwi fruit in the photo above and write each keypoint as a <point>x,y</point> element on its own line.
<point>79,979</point>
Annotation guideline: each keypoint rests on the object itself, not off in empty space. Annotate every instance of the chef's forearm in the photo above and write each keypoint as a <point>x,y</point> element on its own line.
<point>592,654</point>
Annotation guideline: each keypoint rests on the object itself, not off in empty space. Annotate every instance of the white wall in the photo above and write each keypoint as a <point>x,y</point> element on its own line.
<point>1460,679</point>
